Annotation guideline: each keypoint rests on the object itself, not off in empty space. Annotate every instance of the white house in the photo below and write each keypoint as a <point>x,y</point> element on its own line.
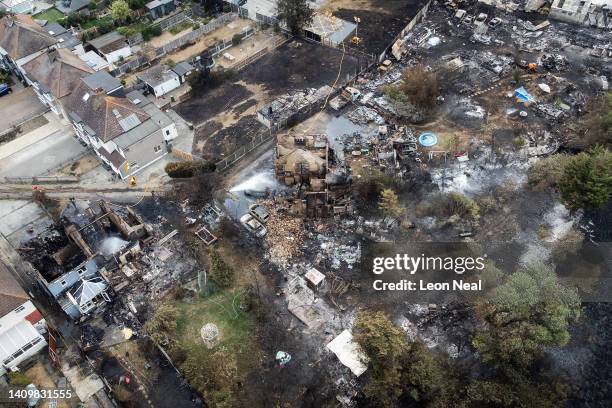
<point>160,79</point>
<point>21,324</point>
<point>112,46</point>
<point>127,132</point>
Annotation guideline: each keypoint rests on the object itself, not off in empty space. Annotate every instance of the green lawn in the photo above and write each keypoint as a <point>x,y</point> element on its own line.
<point>52,15</point>
<point>222,309</point>
<point>96,22</point>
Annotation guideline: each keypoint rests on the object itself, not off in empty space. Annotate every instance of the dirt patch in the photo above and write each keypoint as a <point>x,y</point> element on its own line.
<point>233,105</point>
<point>381,20</point>
<point>202,107</point>
<point>203,132</point>
<point>244,106</point>
<point>224,33</point>
<point>79,167</point>
<point>228,139</point>
<point>299,65</point>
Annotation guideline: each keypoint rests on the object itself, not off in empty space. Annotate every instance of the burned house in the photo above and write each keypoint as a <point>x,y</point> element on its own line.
<point>77,256</point>
<point>323,182</point>
<point>80,291</point>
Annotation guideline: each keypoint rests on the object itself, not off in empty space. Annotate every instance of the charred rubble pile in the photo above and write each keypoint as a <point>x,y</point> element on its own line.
<point>321,180</point>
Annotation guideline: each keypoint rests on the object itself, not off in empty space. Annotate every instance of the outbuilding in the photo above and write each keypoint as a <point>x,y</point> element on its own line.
<point>160,80</point>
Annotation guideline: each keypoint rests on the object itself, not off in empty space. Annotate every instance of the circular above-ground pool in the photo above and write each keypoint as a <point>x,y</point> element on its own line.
<point>428,139</point>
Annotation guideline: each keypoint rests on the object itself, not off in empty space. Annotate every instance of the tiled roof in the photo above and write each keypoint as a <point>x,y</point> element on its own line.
<point>109,42</point>
<point>107,116</point>
<point>20,36</point>
<point>11,293</point>
<point>58,70</point>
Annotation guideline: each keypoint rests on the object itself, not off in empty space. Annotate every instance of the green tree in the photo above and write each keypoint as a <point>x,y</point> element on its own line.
<point>295,13</point>
<point>516,391</point>
<point>587,179</point>
<point>162,326</point>
<point>120,10</point>
<point>426,379</point>
<point>213,373</point>
<point>384,343</point>
<point>401,370</point>
<point>220,272</point>
<point>547,172</point>
<point>530,311</point>
<point>389,204</point>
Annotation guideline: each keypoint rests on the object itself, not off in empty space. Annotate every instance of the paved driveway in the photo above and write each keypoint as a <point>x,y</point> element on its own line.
<point>39,157</point>
<point>19,106</point>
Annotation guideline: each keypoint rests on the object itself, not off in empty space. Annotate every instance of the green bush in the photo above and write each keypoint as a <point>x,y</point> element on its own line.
<point>180,27</point>
<point>221,274</point>
<point>151,31</point>
<point>5,76</point>
<point>19,379</point>
<point>586,182</point>
<point>189,169</point>
<point>127,31</point>
<point>236,39</point>
<point>458,205</point>
<point>547,172</point>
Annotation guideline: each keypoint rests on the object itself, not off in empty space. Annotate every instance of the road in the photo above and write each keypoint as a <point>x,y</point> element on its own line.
<point>39,157</point>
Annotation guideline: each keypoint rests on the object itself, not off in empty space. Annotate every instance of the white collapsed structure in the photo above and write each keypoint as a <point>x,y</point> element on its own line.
<point>349,353</point>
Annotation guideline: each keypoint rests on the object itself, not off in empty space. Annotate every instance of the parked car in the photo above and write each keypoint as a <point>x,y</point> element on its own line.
<point>5,89</point>
<point>259,212</point>
<point>482,17</point>
<point>253,225</point>
<point>495,22</point>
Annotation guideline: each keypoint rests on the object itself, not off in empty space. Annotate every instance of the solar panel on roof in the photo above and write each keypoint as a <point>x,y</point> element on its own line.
<point>129,122</point>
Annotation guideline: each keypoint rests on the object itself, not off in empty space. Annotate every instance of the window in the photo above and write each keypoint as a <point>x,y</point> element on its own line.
<point>63,283</point>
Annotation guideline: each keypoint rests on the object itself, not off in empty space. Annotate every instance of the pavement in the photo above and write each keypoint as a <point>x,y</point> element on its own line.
<point>21,220</point>
<point>54,124</point>
<point>43,155</point>
<point>19,106</point>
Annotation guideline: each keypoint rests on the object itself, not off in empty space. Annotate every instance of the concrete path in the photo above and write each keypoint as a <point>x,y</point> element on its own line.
<point>19,106</point>
<point>34,136</point>
<point>45,154</point>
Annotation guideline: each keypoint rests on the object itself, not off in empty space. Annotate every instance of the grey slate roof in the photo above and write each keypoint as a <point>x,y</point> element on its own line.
<point>138,98</point>
<point>109,42</point>
<point>156,75</point>
<point>182,68</point>
<point>136,134</point>
<point>54,29</point>
<point>102,80</point>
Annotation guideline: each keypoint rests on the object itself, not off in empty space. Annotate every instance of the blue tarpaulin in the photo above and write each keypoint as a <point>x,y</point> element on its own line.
<point>522,95</point>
